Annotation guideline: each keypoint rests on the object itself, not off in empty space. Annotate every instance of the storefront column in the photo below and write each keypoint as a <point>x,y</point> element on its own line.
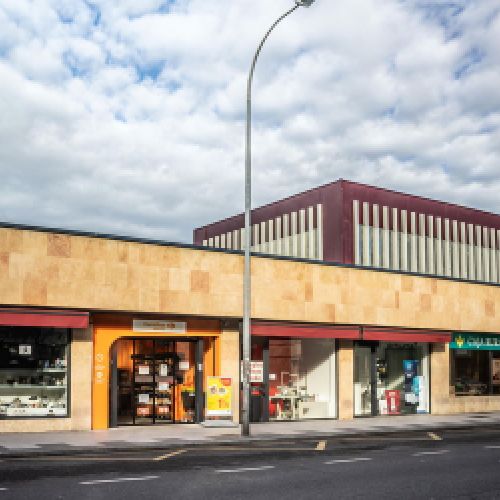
<point>440,378</point>
<point>346,379</point>
<point>81,379</point>
<point>230,361</point>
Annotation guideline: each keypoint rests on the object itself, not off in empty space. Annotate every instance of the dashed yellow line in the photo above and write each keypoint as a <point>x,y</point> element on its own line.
<point>434,436</point>
<point>168,455</point>
<point>321,446</point>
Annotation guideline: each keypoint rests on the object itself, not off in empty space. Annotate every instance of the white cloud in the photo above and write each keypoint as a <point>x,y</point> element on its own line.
<point>128,116</point>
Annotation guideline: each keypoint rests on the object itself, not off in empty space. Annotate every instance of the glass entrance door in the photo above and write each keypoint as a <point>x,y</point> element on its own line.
<point>363,378</point>
<point>155,381</point>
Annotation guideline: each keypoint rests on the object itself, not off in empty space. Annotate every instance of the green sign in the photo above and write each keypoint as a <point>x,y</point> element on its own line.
<point>475,341</point>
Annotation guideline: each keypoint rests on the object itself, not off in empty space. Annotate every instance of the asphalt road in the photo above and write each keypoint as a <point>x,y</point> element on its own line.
<point>444,464</point>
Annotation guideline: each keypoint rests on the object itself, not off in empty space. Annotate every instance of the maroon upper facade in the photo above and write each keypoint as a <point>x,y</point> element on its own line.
<point>337,200</point>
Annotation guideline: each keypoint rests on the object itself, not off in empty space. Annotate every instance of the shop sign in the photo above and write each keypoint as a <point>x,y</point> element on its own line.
<point>475,341</point>
<point>257,371</point>
<point>219,397</point>
<point>154,325</point>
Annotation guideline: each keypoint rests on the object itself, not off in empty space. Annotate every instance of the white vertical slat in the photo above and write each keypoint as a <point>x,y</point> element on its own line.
<point>404,241</point>
<point>302,233</point>
<point>486,255</point>
<point>271,246</point>
<point>256,237</point>
<point>262,237</point>
<point>279,236</point>
<point>286,235</point>
<point>235,240</point>
<point>413,243</point>
<point>366,234</point>
<point>210,242</point>
<point>479,254</point>
<point>205,243</point>
<point>422,260</point>
<point>311,247</point>
<point>356,228</point>
<point>241,239</point>
<point>217,242</point>
<point>463,251</point>
<point>376,237</point>
<point>431,268</point>
<point>319,244</point>
<point>447,248</point>
<point>229,240</point>
<point>471,248</point>
<point>493,256</point>
<point>396,242</point>
<point>497,252</point>
<point>455,250</point>
<point>386,251</point>
<point>294,235</point>
<point>439,247</point>
<point>223,241</point>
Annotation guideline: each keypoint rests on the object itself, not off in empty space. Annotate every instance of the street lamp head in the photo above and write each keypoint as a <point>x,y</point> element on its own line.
<point>304,3</point>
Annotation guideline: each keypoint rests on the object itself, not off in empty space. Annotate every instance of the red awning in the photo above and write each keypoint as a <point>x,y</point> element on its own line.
<point>305,331</point>
<point>405,336</point>
<point>44,318</point>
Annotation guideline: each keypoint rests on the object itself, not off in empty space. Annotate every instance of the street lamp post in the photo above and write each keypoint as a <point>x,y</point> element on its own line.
<point>245,417</point>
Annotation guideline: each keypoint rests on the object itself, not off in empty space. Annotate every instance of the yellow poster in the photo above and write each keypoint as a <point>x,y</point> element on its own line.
<point>219,397</point>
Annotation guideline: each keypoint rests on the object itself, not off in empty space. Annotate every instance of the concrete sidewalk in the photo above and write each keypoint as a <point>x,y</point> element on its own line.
<point>168,436</point>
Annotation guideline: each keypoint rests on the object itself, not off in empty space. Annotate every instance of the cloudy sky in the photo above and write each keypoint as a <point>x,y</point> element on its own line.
<point>127,116</point>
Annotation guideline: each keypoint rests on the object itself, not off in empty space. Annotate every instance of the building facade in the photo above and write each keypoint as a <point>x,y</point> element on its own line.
<point>98,331</point>
<point>352,223</point>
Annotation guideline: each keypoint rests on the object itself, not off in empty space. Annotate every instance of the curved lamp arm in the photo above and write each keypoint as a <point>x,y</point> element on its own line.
<point>245,407</point>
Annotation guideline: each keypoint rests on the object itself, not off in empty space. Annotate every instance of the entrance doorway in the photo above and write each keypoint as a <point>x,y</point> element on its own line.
<point>390,379</point>
<point>156,381</point>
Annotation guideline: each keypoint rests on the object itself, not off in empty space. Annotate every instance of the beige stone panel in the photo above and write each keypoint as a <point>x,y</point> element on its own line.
<point>149,300</point>
<point>345,361</point>
<point>229,345</point>
<point>19,264</point>
<point>4,264</point>
<point>34,292</point>
<point>11,240</point>
<point>440,385</point>
<point>226,284</point>
<point>81,379</point>
<point>180,279</point>
<point>35,243</point>
<point>36,425</point>
<point>11,291</point>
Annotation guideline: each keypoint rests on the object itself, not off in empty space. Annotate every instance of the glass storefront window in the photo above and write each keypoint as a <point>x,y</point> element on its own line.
<point>33,372</point>
<point>475,372</point>
<point>301,379</point>
<point>391,379</point>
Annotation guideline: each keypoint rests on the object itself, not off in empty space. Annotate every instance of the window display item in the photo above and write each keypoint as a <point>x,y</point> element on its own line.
<point>33,372</point>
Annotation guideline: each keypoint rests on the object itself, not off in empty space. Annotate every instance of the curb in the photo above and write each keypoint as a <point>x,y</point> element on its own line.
<point>69,450</point>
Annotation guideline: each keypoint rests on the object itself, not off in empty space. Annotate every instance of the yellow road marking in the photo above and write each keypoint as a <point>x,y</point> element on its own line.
<point>321,446</point>
<point>434,436</point>
<point>169,455</point>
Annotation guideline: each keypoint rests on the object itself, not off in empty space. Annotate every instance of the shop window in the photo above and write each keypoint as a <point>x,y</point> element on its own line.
<point>475,372</point>
<point>301,379</point>
<point>33,372</point>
